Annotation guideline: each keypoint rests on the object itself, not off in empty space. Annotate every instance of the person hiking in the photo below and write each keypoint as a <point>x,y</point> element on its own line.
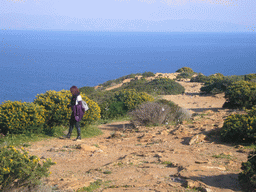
<point>77,112</point>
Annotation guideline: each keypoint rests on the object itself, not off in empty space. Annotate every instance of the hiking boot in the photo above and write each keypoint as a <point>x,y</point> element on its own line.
<point>78,137</point>
<point>78,133</point>
<point>66,136</point>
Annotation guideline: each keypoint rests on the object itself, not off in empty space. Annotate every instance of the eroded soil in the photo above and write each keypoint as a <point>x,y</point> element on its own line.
<point>165,158</point>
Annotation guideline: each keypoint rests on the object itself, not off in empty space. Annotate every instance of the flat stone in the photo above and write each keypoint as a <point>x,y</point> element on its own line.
<point>86,148</point>
<point>196,139</point>
<point>201,161</point>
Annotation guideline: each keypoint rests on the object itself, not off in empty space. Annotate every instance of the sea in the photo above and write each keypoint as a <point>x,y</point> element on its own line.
<point>33,62</point>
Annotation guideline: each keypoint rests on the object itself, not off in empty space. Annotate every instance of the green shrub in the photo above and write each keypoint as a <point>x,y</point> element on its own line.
<point>57,112</point>
<point>18,169</point>
<point>163,86</point>
<point>218,83</point>
<point>117,109</point>
<point>184,75</point>
<point>185,70</point>
<point>241,94</point>
<point>199,78</point>
<point>17,117</point>
<point>218,86</point>
<point>160,86</point>
<point>247,177</point>
<point>250,77</point>
<point>148,74</point>
<point>87,90</point>
<point>100,96</point>
<point>240,128</point>
<point>123,101</point>
<point>216,76</point>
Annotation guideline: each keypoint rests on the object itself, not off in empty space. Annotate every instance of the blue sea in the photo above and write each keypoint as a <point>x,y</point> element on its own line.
<point>33,62</point>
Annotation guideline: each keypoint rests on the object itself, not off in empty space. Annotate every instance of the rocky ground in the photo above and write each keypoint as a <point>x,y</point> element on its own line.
<point>184,157</point>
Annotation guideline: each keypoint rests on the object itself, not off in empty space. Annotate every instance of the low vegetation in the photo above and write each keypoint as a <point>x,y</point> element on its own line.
<point>57,112</point>
<point>247,177</point>
<point>18,169</point>
<point>241,94</point>
<point>121,102</point>
<point>158,86</point>
<point>218,83</point>
<point>185,73</point>
<point>240,128</point>
<point>137,100</point>
<point>185,70</point>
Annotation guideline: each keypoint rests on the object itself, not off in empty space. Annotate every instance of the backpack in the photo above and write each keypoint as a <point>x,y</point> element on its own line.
<point>85,106</point>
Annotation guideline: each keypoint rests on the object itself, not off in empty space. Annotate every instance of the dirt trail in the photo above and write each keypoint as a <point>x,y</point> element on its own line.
<point>166,158</point>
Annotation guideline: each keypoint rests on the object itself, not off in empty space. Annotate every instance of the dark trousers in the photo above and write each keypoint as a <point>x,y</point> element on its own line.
<point>73,123</point>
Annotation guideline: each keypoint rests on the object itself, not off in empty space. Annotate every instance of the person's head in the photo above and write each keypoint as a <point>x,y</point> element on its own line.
<point>74,90</point>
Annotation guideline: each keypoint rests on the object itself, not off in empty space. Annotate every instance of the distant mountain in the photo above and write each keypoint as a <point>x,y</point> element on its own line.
<point>30,22</point>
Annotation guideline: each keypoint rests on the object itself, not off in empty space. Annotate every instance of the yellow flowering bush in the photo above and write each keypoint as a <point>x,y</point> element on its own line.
<point>21,117</point>
<point>93,114</point>
<point>57,112</point>
<point>17,168</point>
<point>241,94</point>
<point>240,128</point>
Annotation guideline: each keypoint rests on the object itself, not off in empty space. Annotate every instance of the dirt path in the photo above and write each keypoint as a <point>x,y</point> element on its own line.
<point>166,158</point>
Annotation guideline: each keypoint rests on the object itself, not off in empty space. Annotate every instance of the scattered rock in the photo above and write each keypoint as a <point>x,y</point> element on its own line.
<point>181,131</point>
<point>164,132</point>
<point>85,148</point>
<point>197,185</point>
<point>202,161</point>
<point>145,138</point>
<point>221,167</point>
<point>195,139</point>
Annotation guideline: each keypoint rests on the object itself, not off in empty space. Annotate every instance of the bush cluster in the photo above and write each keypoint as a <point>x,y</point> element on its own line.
<point>159,86</point>
<point>185,70</point>
<point>241,94</point>
<point>47,110</point>
<point>55,104</point>
<point>247,177</point>
<point>250,77</point>
<point>184,75</point>
<point>87,90</point>
<point>21,117</point>
<point>240,128</point>
<point>218,83</point>
<point>157,113</point>
<point>148,74</point>
<point>199,78</point>
<point>123,101</point>
<point>57,112</point>
<point>18,169</point>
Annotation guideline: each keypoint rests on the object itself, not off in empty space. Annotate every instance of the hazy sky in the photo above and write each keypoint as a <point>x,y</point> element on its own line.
<point>129,15</point>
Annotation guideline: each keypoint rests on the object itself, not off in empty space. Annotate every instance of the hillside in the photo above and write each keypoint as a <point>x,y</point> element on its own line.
<point>184,157</point>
